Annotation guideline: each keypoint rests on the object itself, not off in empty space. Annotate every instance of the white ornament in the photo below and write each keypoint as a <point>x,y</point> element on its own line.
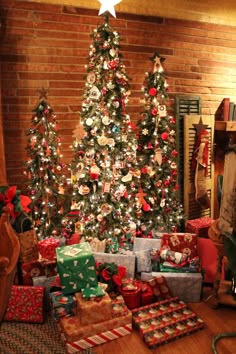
<point>145,131</point>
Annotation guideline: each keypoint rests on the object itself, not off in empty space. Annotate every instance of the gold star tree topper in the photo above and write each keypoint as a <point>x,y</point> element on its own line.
<point>108,5</point>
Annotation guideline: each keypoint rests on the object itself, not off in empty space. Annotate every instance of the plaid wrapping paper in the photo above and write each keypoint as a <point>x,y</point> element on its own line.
<point>76,267</point>
<point>199,226</point>
<point>187,286</point>
<point>93,310</point>
<point>74,331</point>
<point>25,304</point>
<point>181,242</point>
<point>100,338</point>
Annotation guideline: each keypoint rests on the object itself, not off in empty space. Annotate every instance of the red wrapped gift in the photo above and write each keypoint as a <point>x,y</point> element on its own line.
<point>147,294</point>
<point>26,304</point>
<point>74,239</point>
<point>131,292</point>
<point>47,248</point>
<point>199,226</point>
<point>160,288</point>
<point>185,243</point>
<point>30,270</point>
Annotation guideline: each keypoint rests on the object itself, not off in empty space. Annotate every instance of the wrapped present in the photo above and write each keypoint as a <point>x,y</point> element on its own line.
<point>62,305</point>
<point>147,294</point>
<point>165,321</point>
<point>158,314</point>
<point>91,293</point>
<point>208,255</point>
<point>74,331</point>
<point>73,239</point>
<point>47,248</point>
<point>94,310</point>
<point>184,243</point>
<point>37,268</point>
<point>199,226</point>
<point>46,282</point>
<point>141,243</point>
<point>98,339</point>
<point>160,287</point>
<point>187,286</point>
<point>125,260</point>
<point>30,270</point>
<point>119,307</point>
<point>131,292</point>
<point>76,267</point>
<point>25,304</point>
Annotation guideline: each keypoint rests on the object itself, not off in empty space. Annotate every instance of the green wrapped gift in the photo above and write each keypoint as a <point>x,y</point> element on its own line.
<point>76,267</point>
<point>90,293</point>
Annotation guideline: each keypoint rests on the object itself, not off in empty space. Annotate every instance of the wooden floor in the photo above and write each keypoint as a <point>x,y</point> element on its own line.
<point>220,320</point>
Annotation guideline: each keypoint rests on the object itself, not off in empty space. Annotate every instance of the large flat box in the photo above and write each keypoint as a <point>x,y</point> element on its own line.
<point>76,267</point>
<point>98,339</point>
<point>142,244</point>
<point>127,261</point>
<point>93,310</point>
<point>164,321</point>
<point>187,286</point>
<point>74,331</point>
<point>25,304</point>
<point>199,226</point>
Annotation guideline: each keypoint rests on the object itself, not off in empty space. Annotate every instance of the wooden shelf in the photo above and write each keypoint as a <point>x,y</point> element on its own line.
<point>225,126</point>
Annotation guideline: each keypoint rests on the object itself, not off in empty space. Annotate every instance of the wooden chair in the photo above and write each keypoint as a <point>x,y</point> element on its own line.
<point>9,254</point>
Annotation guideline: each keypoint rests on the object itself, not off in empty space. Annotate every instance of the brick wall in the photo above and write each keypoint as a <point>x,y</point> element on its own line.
<point>47,46</point>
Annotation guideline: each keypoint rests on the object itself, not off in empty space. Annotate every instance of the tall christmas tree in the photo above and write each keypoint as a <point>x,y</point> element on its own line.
<point>157,156</point>
<point>104,169</point>
<point>44,170</point>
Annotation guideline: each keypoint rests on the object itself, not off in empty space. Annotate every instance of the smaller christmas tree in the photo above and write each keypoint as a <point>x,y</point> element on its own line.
<point>44,170</point>
<point>157,157</point>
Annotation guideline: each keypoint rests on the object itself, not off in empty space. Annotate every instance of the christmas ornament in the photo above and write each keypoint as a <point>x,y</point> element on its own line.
<point>158,156</point>
<point>162,111</point>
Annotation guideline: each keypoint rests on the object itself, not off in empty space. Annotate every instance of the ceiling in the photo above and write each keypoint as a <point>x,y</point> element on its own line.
<point>211,11</point>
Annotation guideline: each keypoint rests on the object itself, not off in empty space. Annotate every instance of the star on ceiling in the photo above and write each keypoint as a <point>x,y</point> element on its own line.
<point>200,126</point>
<point>108,5</point>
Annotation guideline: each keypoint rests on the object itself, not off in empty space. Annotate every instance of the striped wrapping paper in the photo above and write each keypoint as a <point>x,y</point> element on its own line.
<point>85,343</point>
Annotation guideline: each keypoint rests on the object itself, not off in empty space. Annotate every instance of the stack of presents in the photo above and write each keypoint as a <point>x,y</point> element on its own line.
<point>96,297</point>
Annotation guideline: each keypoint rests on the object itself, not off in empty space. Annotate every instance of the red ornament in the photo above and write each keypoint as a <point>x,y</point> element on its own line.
<point>144,170</point>
<point>176,187</point>
<point>164,136</point>
<point>166,183</point>
<point>94,176</point>
<point>154,111</point>
<point>112,64</point>
<point>153,91</point>
<point>174,153</point>
<point>172,120</point>
<point>146,207</point>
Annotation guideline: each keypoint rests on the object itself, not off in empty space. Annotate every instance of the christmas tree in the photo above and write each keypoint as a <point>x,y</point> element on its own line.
<point>157,156</point>
<point>104,170</point>
<point>44,170</point>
